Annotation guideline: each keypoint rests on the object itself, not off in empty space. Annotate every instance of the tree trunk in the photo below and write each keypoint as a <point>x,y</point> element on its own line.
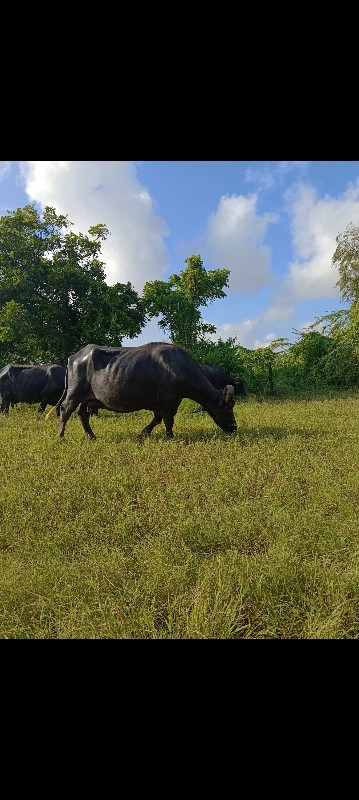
<point>270,379</point>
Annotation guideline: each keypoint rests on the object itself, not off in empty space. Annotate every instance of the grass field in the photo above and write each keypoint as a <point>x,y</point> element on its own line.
<point>207,536</point>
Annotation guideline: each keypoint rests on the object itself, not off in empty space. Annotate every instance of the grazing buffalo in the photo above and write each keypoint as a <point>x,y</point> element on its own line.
<point>219,379</point>
<point>155,376</point>
<point>24,383</point>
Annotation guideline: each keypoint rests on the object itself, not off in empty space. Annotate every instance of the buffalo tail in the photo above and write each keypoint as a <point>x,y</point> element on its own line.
<point>54,408</point>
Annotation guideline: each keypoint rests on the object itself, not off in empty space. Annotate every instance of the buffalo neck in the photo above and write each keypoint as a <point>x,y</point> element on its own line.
<point>203,392</point>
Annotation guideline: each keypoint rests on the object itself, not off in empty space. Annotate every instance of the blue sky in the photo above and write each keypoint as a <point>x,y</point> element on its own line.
<point>273,223</point>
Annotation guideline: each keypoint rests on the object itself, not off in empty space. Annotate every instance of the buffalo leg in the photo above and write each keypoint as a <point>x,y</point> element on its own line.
<point>5,406</point>
<point>92,408</point>
<point>169,420</point>
<point>65,413</point>
<point>169,412</point>
<point>156,421</point>
<point>84,415</point>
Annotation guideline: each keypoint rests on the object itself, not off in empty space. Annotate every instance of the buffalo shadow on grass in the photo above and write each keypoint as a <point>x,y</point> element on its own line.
<point>159,433</point>
<point>245,434</point>
<point>272,432</point>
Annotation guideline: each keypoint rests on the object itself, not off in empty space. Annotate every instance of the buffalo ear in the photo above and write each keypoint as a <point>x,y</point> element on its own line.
<point>228,393</point>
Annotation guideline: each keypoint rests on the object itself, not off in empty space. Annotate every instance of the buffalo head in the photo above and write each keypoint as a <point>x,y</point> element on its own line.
<point>239,387</point>
<point>222,410</point>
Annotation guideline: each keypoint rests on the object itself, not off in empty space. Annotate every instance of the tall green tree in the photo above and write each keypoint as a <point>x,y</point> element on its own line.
<point>341,364</point>
<point>53,294</point>
<point>179,299</point>
<point>223,353</point>
<point>346,258</point>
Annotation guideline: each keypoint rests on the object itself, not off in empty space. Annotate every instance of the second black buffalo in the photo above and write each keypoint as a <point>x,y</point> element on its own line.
<point>156,377</point>
<point>27,383</point>
<point>219,379</point>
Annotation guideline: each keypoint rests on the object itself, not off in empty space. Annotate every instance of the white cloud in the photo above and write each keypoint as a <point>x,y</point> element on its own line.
<point>150,333</point>
<point>263,178</point>
<point>4,168</point>
<point>278,312</point>
<point>305,325</point>
<point>317,327</point>
<point>244,331</point>
<point>234,240</point>
<point>270,337</point>
<point>286,166</point>
<point>268,177</point>
<point>316,223</point>
<point>108,192</point>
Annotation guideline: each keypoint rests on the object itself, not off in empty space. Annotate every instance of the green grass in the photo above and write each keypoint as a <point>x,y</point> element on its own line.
<point>207,536</point>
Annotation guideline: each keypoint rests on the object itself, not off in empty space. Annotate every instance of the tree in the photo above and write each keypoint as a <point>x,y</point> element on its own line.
<point>341,364</point>
<point>17,341</point>
<point>257,366</point>
<point>178,300</point>
<point>346,258</point>
<point>223,353</point>
<point>53,294</point>
<point>302,367</point>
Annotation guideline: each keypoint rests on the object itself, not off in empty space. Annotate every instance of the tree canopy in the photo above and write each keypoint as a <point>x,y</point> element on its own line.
<point>178,300</point>
<point>53,294</point>
<point>346,258</point>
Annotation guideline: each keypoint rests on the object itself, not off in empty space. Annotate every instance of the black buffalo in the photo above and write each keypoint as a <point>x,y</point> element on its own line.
<point>155,376</point>
<point>24,383</point>
<point>219,379</point>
